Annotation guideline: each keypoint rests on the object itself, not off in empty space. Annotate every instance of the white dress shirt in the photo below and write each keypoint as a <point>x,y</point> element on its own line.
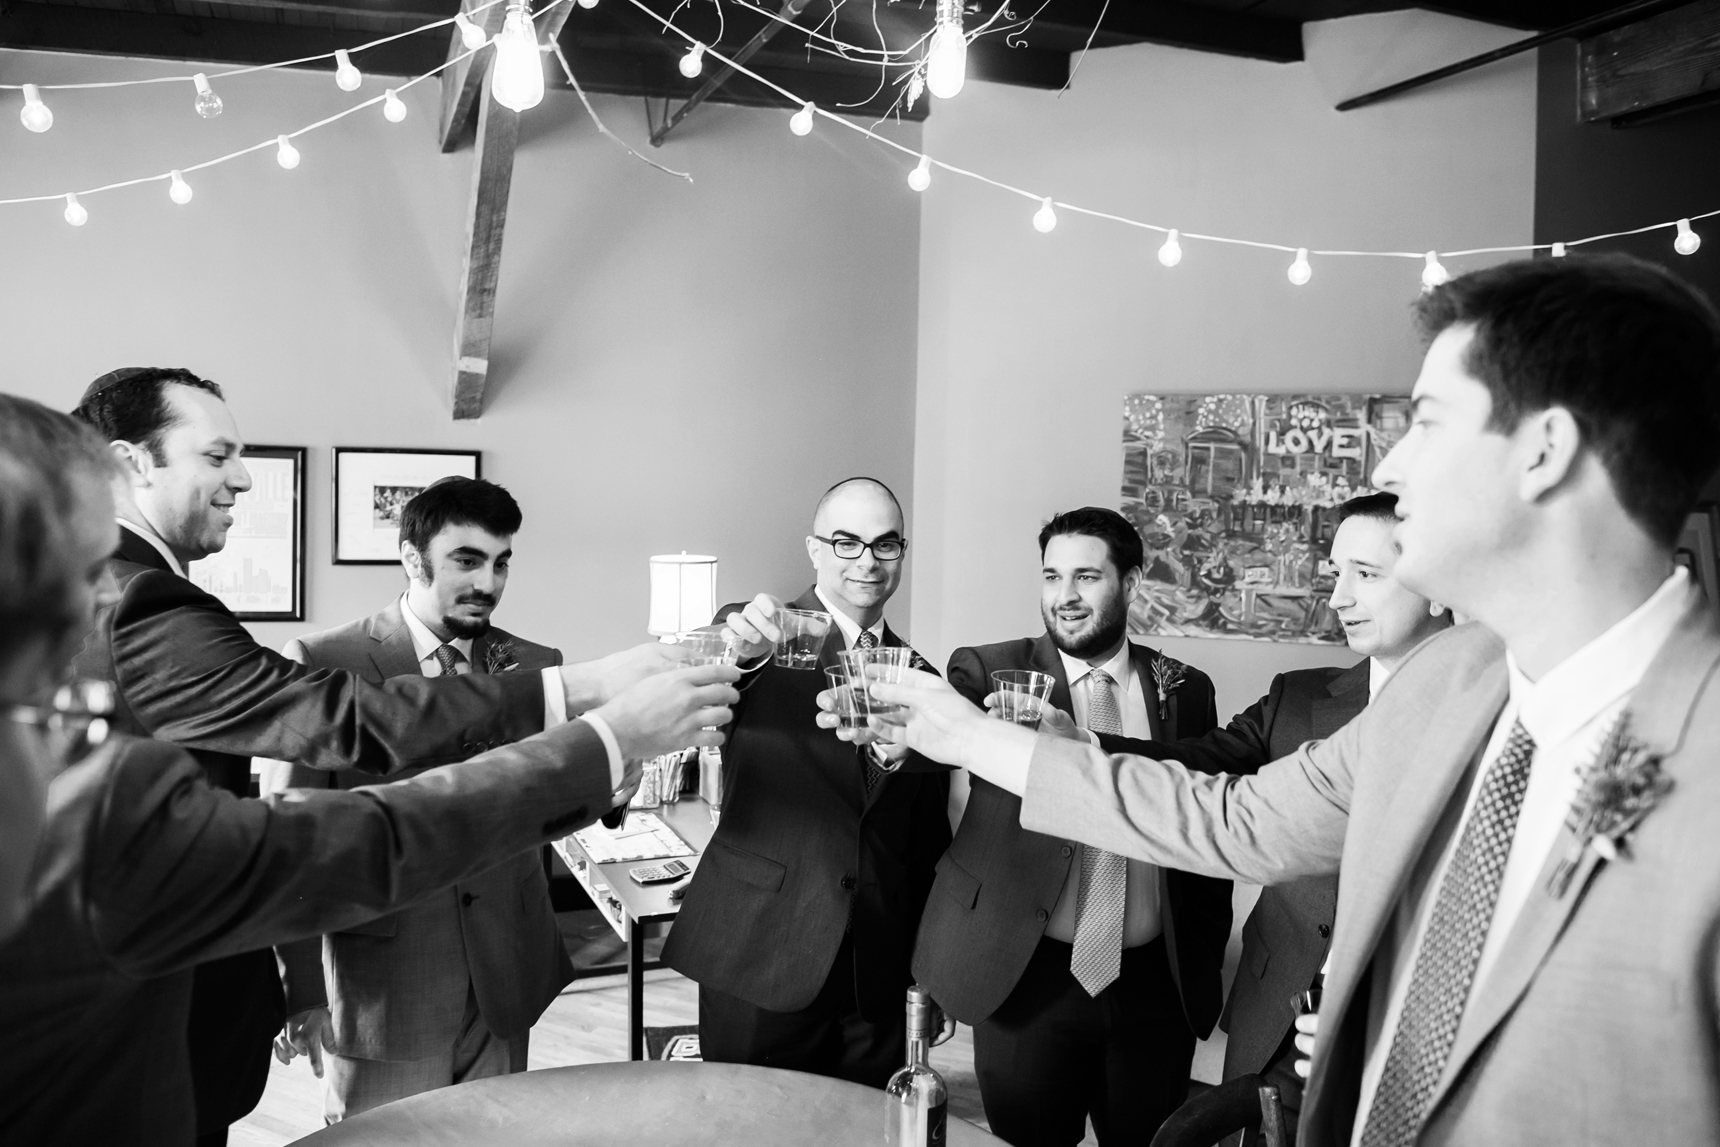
<point>1141,921</point>
<point>1377,675</point>
<point>1568,712</point>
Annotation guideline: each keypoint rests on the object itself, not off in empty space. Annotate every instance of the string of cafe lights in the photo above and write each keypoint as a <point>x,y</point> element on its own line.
<point>517,82</point>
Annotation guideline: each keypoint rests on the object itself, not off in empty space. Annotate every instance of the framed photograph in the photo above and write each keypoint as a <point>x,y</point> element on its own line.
<point>372,484</point>
<point>1697,552</point>
<point>260,575</point>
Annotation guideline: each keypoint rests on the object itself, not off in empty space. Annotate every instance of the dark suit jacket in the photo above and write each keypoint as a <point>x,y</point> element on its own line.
<point>187,672</point>
<point>1286,937</point>
<point>998,884</point>
<point>146,871</point>
<point>800,850</point>
<point>396,986</point>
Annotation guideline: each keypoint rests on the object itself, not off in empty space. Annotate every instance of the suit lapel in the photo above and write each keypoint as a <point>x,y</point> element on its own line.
<point>394,654</point>
<point>134,548</point>
<point>1047,660</point>
<point>1659,710</point>
<point>1346,696</point>
<point>1142,658</point>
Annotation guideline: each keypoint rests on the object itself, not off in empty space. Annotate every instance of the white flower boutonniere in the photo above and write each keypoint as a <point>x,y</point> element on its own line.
<point>499,656</point>
<point>1622,786</point>
<point>1168,673</point>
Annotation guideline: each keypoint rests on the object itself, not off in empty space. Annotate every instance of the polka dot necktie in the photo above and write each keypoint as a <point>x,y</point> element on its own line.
<point>870,773</point>
<point>1097,958</point>
<point>447,657</point>
<point>1450,950</point>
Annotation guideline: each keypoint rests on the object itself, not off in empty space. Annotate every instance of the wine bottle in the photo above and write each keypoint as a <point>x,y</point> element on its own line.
<point>915,1099</point>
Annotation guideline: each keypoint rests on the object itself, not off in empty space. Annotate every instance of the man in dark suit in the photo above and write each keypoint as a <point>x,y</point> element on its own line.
<point>448,989</point>
<point>799,923</point>
<point>1286,938</point>
<point>1087,978</point>
<point>186,671</point>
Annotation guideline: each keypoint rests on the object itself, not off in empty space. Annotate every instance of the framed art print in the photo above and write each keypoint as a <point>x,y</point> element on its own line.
<point>373,484</point>
<point>260,574</point>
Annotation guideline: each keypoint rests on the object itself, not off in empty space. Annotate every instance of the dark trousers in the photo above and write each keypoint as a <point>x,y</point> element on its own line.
<point>1051,1054</point>
<point>830,1037</point>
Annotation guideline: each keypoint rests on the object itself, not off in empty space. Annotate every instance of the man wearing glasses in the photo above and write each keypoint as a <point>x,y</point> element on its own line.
<point>799,924</point>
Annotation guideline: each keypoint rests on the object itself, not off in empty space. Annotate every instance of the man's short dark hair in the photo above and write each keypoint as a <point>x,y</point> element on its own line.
<point>458,502</point>
<point>1381,507</point>
<point>130,405</point>
<point>1122,540</point>
<point>1629,349</point>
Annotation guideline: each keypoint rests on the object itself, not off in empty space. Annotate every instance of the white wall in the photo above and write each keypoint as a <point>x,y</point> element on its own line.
<point>675,367</point>
<point>1028,342</point>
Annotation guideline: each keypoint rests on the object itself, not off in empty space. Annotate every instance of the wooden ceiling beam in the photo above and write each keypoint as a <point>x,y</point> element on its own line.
<point>498,133</point>
<point>1066,24</point>
<point>1667,62</point>
<point>463,80</point>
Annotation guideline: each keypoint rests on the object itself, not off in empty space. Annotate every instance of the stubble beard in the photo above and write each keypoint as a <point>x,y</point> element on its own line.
<point>1109,624</point>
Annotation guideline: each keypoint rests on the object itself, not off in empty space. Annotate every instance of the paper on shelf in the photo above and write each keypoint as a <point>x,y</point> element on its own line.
<point>642,836</point>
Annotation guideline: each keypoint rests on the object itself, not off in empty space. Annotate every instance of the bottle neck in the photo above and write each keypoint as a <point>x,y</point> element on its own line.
<point>919,1047</point>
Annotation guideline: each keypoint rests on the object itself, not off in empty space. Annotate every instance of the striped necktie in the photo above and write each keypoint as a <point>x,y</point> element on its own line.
<point>1097,958</point>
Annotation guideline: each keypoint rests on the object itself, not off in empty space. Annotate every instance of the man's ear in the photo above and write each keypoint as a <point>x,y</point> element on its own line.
<point>135,462</point>
<point>1132,583</point>
<point>1551,444</point>
<point>812,545</point>
<point>412,560</point>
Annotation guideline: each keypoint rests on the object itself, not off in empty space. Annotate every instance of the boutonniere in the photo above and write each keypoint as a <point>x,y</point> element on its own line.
<point>915,661</point>
<point>1619,788</point>
<point>1168,673</point>
<point>499,655</point>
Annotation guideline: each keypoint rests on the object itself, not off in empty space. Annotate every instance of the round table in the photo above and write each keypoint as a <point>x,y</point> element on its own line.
<point>646,1104</point>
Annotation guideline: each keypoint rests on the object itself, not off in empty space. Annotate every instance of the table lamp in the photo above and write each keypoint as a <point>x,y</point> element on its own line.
<point>683,593</point>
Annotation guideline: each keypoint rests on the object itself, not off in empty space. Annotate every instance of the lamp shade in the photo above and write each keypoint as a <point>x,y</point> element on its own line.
<point>683,592</point>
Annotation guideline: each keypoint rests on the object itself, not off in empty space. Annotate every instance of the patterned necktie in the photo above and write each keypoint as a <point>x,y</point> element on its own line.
<point>870,773</point>
<point>447,657</point>
<point>1098,955</point>
<point>1450,950</point>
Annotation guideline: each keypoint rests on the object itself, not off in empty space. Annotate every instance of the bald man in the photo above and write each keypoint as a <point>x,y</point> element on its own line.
<point>799,924</point>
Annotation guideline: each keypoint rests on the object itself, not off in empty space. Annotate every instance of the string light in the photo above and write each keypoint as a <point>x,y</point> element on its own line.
<point>76,214</point>
<point>1687,241</point>
<point>921,177</point>
<point>517,78</point>
<point>208,104</point>
<point>286,154</point>
<point>393,107</point>
<point>800,123</point>
<point>1300,272</point>
<point>1044,219</point>
<point>946,56</point>
<point>694,61</point>
<point>588,4</point>
<point>179,191</point>
<point>1171,253</point>
<point>1434,273</point>
<point>346,76</point>
<point>35,114</point>
<point>471,35</point>
<point>1558,250</point>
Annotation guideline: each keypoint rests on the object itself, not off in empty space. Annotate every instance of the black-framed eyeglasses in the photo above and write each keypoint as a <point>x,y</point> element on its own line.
<point>884,549</point>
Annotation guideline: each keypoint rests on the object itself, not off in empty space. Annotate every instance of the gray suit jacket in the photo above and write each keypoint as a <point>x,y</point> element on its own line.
<point>396,986</point>
<point>1599,1022</point>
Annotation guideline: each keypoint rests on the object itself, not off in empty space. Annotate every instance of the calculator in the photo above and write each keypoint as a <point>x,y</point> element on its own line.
<point>658,873</point>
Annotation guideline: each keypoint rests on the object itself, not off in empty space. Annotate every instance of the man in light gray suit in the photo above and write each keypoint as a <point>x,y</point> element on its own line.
<point>448,989</point>
<point>1527,945</point>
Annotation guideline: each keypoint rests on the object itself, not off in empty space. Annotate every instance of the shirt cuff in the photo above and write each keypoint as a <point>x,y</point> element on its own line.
<point>617,766</point>
<point>1000,752</point>
<point>554,698</point>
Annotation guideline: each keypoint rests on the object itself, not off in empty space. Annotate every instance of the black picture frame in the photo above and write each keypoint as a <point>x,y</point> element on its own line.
<point>265,550</point>
<point>1698,549</point>
<point>370,482</point>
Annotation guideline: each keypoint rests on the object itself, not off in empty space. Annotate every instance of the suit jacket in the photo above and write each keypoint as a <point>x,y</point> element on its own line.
<point>800,852</point>
<point>146,871</point>
<point>1286,937</point>
<point>396,986</point>
<point>998,883</point>
<point>1598,1024</point>
<point>185,671</point>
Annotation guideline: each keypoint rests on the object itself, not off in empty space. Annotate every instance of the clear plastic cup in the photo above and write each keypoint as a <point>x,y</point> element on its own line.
<point>803,633</point>
<point>1020,695</point>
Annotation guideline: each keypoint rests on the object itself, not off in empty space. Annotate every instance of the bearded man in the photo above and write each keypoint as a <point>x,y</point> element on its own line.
<point>1087,977</point>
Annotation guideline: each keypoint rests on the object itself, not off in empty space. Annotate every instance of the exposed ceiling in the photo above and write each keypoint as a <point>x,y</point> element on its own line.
<point>614,47</point>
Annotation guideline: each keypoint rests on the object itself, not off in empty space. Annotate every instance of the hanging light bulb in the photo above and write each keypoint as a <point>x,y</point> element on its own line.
<point>517,78</point>
<point>1300,272</point>
<point>35,114</point>
<point>471,35</point>
<point>1688,241</point>
<point>285,153</point>
<point>921,177</point>
<point>179,191</point>
<point>346,77</point>
<point>1171,253</point>
<point>76,215</point>
<point>1044,219</point>
<point>393,107</point>
<point>946,56</point>
<point>694,61</point>
<point>800,123</point>
<point>1434,273</point>
<point>1558,250</point>
<point>588,4</point>
<point>208,104</point>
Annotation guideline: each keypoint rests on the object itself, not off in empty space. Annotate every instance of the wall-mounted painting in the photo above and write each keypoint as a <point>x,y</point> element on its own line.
<point>1234,496</point>
<point>260,574</point>
<point>372,486</point>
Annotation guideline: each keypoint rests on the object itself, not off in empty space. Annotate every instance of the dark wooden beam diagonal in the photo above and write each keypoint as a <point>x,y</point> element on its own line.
<point>487,215</point>
<point>1672,59</point>
<point>790,10</point>
<point>462,81</point>
<point>1066,24</point>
